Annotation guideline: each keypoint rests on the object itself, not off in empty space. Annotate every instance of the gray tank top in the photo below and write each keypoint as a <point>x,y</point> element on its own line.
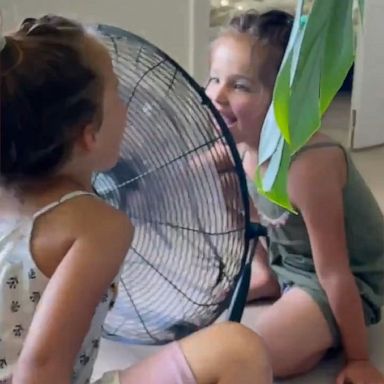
<point>290,249</point>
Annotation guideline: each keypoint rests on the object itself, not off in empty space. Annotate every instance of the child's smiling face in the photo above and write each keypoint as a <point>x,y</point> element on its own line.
<point>235,87</point>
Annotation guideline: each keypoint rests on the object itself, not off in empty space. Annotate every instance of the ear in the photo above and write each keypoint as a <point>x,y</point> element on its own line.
<point>87,141</point>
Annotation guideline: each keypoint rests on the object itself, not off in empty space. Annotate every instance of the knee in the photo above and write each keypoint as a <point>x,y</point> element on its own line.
<point>226,351</point>
<point>241,343</point>
<point>239,335</point>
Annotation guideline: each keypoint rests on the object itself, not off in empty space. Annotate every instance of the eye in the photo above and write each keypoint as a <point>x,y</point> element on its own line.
<point>242,87</point>
<point>213,80</point>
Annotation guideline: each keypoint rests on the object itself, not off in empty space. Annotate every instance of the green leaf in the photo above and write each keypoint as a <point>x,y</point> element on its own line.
<point>338,52</point>
<point>281,98</point>
<point>316,26</point>
<point>304,115</point>
<point>361,8</point>
<point>318,62</point>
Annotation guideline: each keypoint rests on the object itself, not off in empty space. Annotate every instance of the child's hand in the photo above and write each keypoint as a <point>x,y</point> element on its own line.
<point>360,372</point>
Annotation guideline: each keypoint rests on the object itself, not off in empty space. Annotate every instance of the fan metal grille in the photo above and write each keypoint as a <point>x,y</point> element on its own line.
<point>190,242</point>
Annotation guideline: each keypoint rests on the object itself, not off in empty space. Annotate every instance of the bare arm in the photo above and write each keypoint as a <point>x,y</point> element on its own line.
<point>67,306</point>
<point>321,204</point>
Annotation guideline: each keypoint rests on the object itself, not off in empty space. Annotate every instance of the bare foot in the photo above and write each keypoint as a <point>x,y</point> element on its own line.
<point>264,284</point>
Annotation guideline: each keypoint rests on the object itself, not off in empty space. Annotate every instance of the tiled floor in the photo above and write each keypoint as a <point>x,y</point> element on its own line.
<point>115,356</point>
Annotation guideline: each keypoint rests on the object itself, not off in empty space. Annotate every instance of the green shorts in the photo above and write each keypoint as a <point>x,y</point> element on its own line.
<point>372,314</point>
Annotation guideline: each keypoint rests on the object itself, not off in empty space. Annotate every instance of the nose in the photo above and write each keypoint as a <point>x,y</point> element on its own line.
<point>218,94</point>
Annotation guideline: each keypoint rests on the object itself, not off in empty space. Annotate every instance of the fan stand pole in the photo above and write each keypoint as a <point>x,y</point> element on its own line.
<point>239,299</point>
<point>236,309</point>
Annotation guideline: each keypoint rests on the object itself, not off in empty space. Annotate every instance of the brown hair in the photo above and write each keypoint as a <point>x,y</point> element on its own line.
<point>271,32</point>
<point>48,93</point>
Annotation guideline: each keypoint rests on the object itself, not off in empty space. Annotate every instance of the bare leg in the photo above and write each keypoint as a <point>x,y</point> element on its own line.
<point>225,353</point>
<point>264,284</point>
<point>295,332</point>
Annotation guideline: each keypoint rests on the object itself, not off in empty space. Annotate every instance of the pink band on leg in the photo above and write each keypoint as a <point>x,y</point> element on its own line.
<point>169,366</point>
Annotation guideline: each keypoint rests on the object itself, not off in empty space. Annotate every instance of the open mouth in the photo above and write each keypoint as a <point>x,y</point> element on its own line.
<point>230,121</point>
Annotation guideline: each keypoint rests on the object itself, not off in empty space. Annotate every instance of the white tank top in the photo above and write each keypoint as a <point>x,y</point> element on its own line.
<point>21,286</point>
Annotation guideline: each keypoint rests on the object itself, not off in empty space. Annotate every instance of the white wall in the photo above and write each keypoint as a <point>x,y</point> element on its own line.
<point>179,27</point>
<point>367,122</point>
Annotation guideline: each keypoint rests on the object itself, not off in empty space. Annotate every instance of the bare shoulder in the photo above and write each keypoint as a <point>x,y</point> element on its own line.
<point>83,219</point>
<point>86,258</point>
<point>318,170</point>
<point>94,221</point>
<point>91,214</point>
